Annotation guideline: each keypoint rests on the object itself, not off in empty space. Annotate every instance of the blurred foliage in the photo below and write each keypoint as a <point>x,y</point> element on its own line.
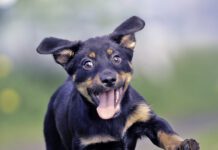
<point>70,9</point>
<point>209,140</point>
<point>193,87</point>
<point>5,66</point>
<point>191,90</point>
<point>33,87</point>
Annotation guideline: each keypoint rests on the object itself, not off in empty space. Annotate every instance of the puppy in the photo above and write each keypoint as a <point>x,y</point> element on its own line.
<point>97,108</point>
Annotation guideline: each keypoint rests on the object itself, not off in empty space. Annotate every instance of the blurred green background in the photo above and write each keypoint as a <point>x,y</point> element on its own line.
<point>175,62</point>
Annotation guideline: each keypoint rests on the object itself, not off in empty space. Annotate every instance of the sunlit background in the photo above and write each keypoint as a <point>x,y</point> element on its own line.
<point>175,61</point>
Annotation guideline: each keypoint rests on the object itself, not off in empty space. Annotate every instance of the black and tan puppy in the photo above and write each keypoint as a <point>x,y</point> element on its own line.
<point>96,108</point>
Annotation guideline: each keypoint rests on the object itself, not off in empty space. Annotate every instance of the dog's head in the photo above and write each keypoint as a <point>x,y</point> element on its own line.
<point>100,67</point>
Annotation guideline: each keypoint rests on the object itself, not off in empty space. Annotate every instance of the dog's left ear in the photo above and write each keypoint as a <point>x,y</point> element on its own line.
<point>62,50</point>
<point>124,34</point>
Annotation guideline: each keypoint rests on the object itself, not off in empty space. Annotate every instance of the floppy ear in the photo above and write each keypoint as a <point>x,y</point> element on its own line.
<point>62,50</point>
<point>124,34</point>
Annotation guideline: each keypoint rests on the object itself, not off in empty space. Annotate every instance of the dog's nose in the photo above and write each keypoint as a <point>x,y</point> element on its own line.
<point>108,78</point>
<point>109,81</point>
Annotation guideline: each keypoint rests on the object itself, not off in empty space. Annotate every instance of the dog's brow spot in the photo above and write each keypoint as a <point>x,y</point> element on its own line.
<point>92,55</point>
<point>109,51</point>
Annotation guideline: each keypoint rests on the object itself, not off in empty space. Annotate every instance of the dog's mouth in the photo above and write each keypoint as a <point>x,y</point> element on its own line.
<point>108,102</point>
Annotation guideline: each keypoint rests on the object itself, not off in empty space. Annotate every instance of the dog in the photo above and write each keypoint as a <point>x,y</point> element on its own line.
<point>96,108</point>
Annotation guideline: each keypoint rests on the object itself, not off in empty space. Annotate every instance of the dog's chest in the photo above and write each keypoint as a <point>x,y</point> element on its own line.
<point>100,131</point>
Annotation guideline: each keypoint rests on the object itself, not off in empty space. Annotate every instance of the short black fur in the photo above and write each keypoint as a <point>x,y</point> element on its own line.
<point>97,67</point>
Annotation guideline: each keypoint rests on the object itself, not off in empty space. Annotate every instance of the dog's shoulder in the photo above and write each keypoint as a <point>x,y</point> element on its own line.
<point>62,95</point>
<point>134,98</point>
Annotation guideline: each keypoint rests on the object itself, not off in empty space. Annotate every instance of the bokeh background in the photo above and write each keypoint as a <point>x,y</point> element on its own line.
<point>176,62</point>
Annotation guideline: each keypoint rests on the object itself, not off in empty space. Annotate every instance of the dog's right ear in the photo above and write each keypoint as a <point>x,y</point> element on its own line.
<point>62,50</point>
<point>124,34</point>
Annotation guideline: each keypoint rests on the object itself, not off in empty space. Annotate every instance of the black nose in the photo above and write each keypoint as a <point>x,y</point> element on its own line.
<point>108,78</point>
<point>109,81</point>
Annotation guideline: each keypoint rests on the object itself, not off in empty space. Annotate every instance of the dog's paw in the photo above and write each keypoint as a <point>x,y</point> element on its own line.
<point>188,144</point>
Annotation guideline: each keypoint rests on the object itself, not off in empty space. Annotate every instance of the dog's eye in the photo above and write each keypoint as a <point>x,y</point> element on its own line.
<point>88,65</point>
<point>116,59</point>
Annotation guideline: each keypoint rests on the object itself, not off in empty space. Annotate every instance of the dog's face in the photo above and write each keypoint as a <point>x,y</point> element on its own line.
<point>100,67</point>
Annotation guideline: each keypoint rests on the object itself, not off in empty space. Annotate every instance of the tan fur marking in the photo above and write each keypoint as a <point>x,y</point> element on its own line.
<point>131,45</point>
<point>169,142</point>
<point>141,114</point>
<point>64,56</point>
<point>109,51</point>
<point>96,80</point>
<point>125,76</point>
<point>82,87</point>
<point>92,55</point>
<point>128,42</point>
<point>97,139</point>
<point>68,52</point>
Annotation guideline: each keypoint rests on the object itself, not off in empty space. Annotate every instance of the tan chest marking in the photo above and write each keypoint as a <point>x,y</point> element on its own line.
<point>169,141</point>
<point>141,114</point>
<point>97,139</point>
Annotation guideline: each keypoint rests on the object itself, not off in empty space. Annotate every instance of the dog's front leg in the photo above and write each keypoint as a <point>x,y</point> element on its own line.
<point>76,145</point>
<point>130,140</point>
<point>52,138</point>
<point>161,134</point>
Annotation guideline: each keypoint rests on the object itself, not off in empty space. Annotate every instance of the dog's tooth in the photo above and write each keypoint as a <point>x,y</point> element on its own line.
<point>117,96</point>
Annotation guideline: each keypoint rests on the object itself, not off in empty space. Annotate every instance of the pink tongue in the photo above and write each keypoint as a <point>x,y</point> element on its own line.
<point>106,108</point>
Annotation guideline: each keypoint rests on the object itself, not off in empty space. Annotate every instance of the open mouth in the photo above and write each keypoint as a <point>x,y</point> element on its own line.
<point>109,102</point>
